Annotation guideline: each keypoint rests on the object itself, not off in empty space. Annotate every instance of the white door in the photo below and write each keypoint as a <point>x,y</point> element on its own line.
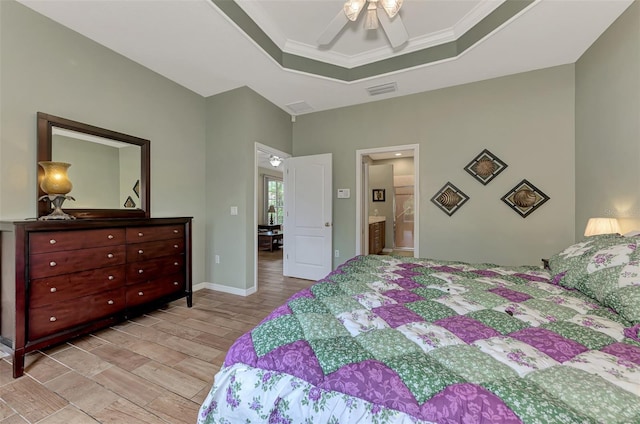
<point>307,216</point>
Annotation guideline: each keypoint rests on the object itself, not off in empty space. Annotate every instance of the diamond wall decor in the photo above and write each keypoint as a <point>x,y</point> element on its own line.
<point>525,198</point>
<point>449,198</point>
<point>485,167</point>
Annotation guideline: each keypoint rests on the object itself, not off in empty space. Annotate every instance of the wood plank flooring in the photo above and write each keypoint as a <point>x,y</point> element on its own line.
<point>157,368</point>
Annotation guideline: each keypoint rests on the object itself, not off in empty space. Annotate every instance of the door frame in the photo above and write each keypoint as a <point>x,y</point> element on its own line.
<point>362,182</point>
<point>256,187</point>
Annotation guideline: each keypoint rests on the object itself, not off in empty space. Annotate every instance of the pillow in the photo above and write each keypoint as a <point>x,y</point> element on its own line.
<point>568,265</point>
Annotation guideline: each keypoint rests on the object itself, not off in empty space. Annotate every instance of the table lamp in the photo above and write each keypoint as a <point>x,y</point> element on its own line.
<point>55,183</point>
<point>271,211</point>
<point>597,226</point>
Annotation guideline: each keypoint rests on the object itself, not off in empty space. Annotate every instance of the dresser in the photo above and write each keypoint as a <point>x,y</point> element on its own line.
<point>63,279</point>
<point>377,235</point>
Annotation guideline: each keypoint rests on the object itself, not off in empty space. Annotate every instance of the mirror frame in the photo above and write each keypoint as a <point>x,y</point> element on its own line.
<point>46,123</point>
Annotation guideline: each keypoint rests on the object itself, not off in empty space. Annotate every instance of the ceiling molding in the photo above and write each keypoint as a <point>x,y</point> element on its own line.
<point>443,51</point>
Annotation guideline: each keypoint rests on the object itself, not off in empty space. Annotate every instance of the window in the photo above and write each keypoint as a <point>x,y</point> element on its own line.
<point>274,195</point>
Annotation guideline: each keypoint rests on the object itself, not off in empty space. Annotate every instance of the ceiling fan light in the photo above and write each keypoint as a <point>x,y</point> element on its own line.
<point>352,8</point>
<point>392,7</point>
<point>371,19</point>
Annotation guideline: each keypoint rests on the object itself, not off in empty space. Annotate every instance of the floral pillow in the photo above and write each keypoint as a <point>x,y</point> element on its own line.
<point>568,266</point>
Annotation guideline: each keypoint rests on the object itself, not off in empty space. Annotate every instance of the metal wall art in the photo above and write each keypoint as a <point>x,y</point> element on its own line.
<point>449,198</point>
<point>525,198</point>
<point>485,167</point>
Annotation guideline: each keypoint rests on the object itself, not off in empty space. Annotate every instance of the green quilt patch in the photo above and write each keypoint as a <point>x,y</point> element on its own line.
<point>326,289</point>
<point>386,344</point>
<point>428,293</point>
<point>275,333</point>
<point>533,405</point>
<point>626,301</point>
<point>339,304</point>
<point>499,321</point>
<point>485,298</point>
<point>430,310</point>
<point>429,280</point>
<point>337,352</point>
<point>321,326</point>
<point>596,397</point>
<point>305,305</point>
<point>550,309</point>
<point>351,287</point>
<point>587,337</point>
<point>472,364</point>
<point>423,375</point>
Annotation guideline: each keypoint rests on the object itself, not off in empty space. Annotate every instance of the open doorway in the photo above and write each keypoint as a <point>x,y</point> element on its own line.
<point>386,210</point>
<point>269,213</point>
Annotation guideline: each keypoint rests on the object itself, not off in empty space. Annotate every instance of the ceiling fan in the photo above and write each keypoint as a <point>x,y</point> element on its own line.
<point>382,11</point>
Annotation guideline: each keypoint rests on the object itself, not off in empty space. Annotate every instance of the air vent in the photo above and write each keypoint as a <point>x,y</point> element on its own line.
<point>299,107</point>
<point>382,89</point>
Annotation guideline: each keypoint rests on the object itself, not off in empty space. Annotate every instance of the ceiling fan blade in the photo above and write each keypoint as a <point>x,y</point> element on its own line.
<point>395,30</point>
<point>333,29</point>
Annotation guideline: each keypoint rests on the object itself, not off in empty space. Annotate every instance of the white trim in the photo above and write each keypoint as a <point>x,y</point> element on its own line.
<point>254,230</point>
<point>361,198</point>
<point>224,289</point>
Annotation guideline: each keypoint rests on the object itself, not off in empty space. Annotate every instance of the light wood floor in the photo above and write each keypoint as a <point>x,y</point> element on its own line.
<point>154,369</point>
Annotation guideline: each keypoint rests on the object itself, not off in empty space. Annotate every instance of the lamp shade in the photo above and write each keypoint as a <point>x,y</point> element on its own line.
<point>55,179</point>
<point>597,226</point>
<point>271,209</point>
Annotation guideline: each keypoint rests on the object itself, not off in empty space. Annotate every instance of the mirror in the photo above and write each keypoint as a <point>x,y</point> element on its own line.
<point>109,170</point>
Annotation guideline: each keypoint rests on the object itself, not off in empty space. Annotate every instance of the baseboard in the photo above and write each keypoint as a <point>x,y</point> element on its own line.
<point>224,289</point>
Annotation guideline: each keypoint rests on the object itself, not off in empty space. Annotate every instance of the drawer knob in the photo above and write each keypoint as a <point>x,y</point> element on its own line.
<point>52,263</point>
<point>141,251</point>
<point>110,256</point>
<point>111,277</point>
<point>175,246</point>
<point>53,319</point>
<point>140,271</point>
<point>110,236</point>
<point>175,231</point>
<point>110,302</point>
<point>176,263</point>
<point>53,289</point>
<point>140,234</point>
<point>140,293</point>
<point>52,241</point>
<point>175,283</point>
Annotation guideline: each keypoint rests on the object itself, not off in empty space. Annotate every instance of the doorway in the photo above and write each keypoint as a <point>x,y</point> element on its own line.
<point>391,171</point>
<point>268,213</point>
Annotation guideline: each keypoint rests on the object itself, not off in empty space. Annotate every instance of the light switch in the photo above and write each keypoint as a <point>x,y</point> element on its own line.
<point>234,210</point>
<point>344,193</point>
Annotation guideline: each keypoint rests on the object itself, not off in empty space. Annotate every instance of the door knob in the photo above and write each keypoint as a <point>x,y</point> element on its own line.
<point>327,224</point>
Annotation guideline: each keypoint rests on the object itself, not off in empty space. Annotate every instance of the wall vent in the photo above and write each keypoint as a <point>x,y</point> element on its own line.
<point>382,88</point>
<point>299,107</point>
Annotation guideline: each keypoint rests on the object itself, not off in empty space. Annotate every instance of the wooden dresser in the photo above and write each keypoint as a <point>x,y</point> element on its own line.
<point>62,279</point>
<point>377,236</point>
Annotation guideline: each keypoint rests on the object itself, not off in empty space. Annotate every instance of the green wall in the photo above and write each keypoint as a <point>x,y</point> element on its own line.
<point>527,120</point>
<point>236,120</point>
<point>49,68</point>
<point>608,126</point>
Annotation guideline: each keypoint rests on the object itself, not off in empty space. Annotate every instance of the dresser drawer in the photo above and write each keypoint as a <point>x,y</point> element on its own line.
<point>45,291</point>
<point>57,263</point>
<point>50,319</point>
<point>154,249</point>
<point>151,290</point>
<point>155,232</point>
<point>139,272</point>
<point>55,241</point>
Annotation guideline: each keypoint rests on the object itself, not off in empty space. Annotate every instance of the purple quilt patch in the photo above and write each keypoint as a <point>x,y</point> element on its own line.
<point>553,344</point>
<point>445,268</point>
<point>297,359</point>
<point>402,296</point>
<point>532,278</point>
<point>467,403</point>
<point>624,351</point>
<point>242,351</point>
<point>373,381</point>
<point>468,329</point>
<point>397,315</point>
<point>486,273</point>
<point>302,293</point>
<point>406,273</point>
<point>407,283</point>
<point>511,295</point>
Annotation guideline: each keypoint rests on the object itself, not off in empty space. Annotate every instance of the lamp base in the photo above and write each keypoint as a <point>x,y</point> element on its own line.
<point>56,203</point>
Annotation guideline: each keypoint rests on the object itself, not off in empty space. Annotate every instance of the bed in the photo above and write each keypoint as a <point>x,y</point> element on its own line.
<point>386,339</point>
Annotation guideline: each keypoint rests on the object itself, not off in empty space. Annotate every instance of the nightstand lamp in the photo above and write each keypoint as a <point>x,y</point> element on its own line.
<point>597,226</point>
<point>55,183</point>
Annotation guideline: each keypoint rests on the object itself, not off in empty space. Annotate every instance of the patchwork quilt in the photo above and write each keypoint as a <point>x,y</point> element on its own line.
<point>402,340</point>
